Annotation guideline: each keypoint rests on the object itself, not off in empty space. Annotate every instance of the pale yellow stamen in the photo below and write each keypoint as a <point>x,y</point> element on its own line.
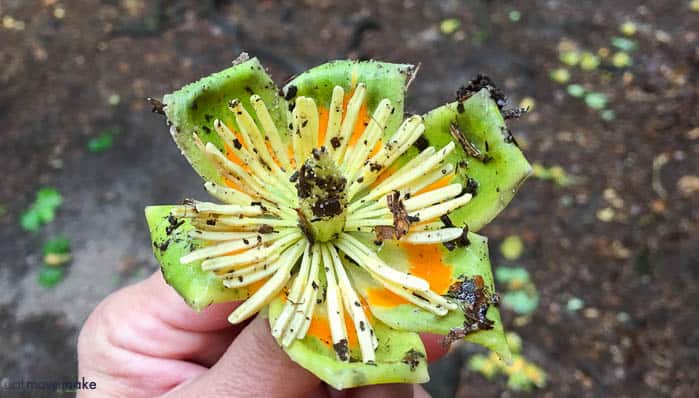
<point>353,108</point>
<point>271,131</point>
<point>294,296</point>
<point>223,236</point>
<point>316,298</point>
<point>254,254</point>
<point>272,287</point>
<point>441,209</point>
<point>304,311</point>
<point>405,179</point>
<point>370,261</point>
<point>305,134</point>
<point>251,133</point>
<point>354,159</point>
<point>249,275</point>
<point>407,133</point>
<point>200,208</point>
<point>335,116</point>
<point>227,195</point>
<point>430,237</point>
<point>218,249</point>
<point>354,308</point>
<point>336,315</point>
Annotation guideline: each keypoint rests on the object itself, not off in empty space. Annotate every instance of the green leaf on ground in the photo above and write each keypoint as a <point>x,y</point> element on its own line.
<point>570,58</point>
<point>512,247</point>
<point>554,173</point>
<point>514,15</point>
<point>449,26</point>
<point>560,75</point>
<point>521,295</point>
<point>57,245</point>
<point>50,276</point>
<point>522,375</point>
<point>624,44</point>
<point>575,304</point>
<point>42,211</point>
<point>575,90</point>
<point>596,100</point>
<point>523,302</point>
<point>608,115</point>
<point>516,276</point>
<point>104,141</point>
<point>628,28</point>
<point>622,59</point>
<point>57,251</point>
<point>589,61</point>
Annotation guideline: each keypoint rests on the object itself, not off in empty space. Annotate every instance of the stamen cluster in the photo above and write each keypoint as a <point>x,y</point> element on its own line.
<point>294,218</point>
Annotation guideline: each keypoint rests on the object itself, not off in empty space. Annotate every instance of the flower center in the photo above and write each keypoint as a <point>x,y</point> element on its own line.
<point>322,197</point>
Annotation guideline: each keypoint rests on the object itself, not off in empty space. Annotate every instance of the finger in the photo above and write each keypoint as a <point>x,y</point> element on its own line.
<point>419,392</point>
<point>321,391</point>
<point>433,346</point>
<point>166,304</point>
<point>149,318</point>
<point>104,359</point>
<point>382,391</point>
<point>253,366</point>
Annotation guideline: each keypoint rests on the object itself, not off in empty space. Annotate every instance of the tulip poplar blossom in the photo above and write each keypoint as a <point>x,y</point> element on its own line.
<point>349,225</point>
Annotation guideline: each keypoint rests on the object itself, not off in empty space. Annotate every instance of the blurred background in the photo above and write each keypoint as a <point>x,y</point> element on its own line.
<point>596,258</point>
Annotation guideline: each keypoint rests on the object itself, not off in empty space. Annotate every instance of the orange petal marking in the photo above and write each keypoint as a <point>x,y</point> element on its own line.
<point>231,184</point>
<point>442,182</point>
<point>384,175</point>
<point>272,153</point>
<point>426,263</point>
<point>376,148</point>
<point>253,287</point>
<point>323,116</point>
<point>352,339</point>
<point>234,158</point>
<point>290,152</point>
<point>381,297</point>
<point>320,329</point>
<point>360,124</point>
<point>236,135</point>
<point>367,310</point>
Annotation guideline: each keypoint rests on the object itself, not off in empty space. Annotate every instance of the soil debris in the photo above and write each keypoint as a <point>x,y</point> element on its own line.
<point>412,358</point>
<point>474,300</point>
<point>468,147</point>
<point>482,82</point>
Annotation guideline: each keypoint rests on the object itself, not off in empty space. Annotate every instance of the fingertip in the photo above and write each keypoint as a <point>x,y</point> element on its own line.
<point>166,304</point>
<point>321,391</point>
<point>420,392</point>
<point>383,391</point>
<point>434,346</point>
<point>254,365</point>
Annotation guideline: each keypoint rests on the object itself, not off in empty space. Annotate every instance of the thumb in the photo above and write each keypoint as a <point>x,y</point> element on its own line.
<point>253,366</point>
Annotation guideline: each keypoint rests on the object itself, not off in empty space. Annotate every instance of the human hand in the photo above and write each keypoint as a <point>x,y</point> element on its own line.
<point>144,341</point>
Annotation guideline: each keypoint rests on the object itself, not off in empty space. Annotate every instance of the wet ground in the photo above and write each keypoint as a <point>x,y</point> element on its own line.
<point>622,238</point>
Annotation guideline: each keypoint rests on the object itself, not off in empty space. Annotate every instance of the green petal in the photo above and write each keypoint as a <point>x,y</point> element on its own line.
<point>467,261</point>
<point>382,80</point>
<point>198,288</point>
<point>194,107</point>
<point>498,179</point>
<point>396,351</point>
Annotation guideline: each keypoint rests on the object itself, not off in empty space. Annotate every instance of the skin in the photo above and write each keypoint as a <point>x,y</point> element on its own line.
<point>144,341</point>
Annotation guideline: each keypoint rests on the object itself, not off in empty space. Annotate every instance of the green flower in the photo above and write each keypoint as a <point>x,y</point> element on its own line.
<point>349,225</point>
